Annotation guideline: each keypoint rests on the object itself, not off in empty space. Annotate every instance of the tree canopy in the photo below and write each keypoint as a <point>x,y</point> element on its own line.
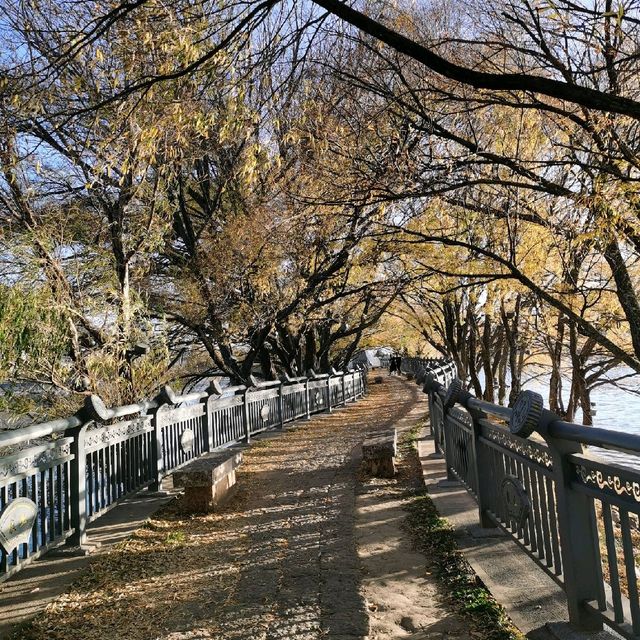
<point>248,187</point>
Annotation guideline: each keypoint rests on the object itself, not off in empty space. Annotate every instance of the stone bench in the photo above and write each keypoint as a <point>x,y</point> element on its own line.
<point>208,480</point>
<point>379,453</point>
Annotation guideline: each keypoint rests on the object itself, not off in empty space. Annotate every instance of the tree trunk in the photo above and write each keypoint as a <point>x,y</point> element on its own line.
<point>485,353</point>
<point>556,403</point>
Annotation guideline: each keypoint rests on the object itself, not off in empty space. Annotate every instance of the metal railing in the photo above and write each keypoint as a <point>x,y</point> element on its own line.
<point>574,513</point>
<point>80,467</point>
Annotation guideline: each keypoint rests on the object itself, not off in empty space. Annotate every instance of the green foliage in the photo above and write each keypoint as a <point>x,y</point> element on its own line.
<point>33,331</point>
<point>175,538</point>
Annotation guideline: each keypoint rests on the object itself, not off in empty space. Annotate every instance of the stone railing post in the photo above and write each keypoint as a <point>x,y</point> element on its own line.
<point>94,410</point>
<point>329,407</point>
<point>156,459</point>
<point>245,416</point>
<point>307,401</point>
<point>215,391</point>
<point>207,422</point>
<point>447,403</point>
<point>431,388</point>
<point>456,393</point>
<point>281,404</point>
<point>78,486</point>
<point>421,373</point>
<point>344,388</point>
<point>579,541</point>
<point>450,398</point>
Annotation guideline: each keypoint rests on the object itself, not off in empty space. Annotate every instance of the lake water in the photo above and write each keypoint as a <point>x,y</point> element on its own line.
<point>616,409</point>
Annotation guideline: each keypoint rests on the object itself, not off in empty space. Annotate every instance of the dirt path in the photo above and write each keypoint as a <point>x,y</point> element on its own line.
<point>403,598</point>
<point>279,561</point>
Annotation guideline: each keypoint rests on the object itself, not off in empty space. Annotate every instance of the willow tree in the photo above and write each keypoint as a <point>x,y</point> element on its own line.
<point>267,262</point>
<point>86,198</point>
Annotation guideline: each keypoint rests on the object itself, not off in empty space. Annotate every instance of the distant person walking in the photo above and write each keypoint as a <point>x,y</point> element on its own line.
<point>393,365</point>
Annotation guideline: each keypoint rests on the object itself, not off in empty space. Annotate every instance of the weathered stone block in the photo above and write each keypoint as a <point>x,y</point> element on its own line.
<point>208,480</point>
<point>379,453</point>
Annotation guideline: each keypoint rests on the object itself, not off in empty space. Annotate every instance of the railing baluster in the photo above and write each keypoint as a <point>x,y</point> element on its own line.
<point>78,486</point>
<point>630,569</point>
<point>281,405</point>
<point>306,399</point>
<point>612,562</point>
<point>245,416</point>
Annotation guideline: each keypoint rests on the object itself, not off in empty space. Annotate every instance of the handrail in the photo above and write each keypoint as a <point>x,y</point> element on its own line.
<point>288,378</point>
<point>94,407</point>
<point>107,454</point>
<point>573,513</point>
<point>490,408</point>
<point>41,430</point>
<point>547,423</point>
<point>311,374</point>
<point>593,436</point>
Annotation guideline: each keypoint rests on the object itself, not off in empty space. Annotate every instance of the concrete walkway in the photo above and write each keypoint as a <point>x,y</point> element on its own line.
<point>305,550</point>
<point>403,599</point>
<point>533,600</point>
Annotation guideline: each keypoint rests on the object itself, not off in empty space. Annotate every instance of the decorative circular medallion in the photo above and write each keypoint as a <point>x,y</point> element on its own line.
<point>96,408</point>
<point>186,441</point>
<point>264,412</point>
<point>526,414</point>
<point>16,522</point>
<point>453,393</point>
<point>516,501</point>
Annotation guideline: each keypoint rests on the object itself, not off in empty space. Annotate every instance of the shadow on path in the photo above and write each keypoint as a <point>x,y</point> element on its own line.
<point>278,561</point>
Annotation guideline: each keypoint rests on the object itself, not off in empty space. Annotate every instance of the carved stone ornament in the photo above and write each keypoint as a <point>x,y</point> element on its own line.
<point>16,522</point>
<point>611,481</point>
<point>264,412</point>
<point>169,395</point>
<point>42,457</point>
<point>107,436</point>
<point>528,449</point>
<point>453,393</point>
<point>96,408</point>
<point>516,500</point>
<point>186,441</point>
<point>526,414</point>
